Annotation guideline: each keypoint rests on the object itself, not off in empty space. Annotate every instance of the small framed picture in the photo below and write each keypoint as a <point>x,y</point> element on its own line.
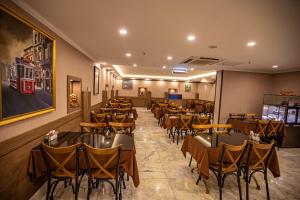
<point>187,87</point>
<point>96,80</point>
<point>127,84</point>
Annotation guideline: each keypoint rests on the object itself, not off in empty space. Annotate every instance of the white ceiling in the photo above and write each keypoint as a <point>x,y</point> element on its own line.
<point>158,28</point>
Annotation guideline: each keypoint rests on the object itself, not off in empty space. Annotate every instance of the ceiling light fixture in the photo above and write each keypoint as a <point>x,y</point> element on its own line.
<point>135,65</point>
<point>192,69</point>
<point>104,63</point>
<point>251,44</point>
<point>128,54</point>
<point>274,66</point>
<point>123,31</point>
<point>169,57</point>
<point>164,67</point>
<point>174,80</point>
<point>148,79</point>
<point>190,38</point>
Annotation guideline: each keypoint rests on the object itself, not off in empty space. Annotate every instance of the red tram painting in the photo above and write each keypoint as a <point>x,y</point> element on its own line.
<point>22,76</point>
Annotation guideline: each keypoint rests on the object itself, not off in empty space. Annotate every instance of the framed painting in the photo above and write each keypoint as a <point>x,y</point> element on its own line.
<point>187,87</point>
<point>27,61</point>
<point>127,84</point>
<point>74,89</point>
<point>96,80</point>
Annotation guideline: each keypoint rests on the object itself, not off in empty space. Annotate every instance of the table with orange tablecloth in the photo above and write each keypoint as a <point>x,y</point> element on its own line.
<point>247,125</point>
<point>205,155</point>
<point>37,168</point>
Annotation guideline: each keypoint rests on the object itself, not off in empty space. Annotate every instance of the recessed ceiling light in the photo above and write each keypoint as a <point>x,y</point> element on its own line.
<point>174,80</point>
<point>192,69</point>
<point>128,54</point>
<point>169,57</point>
<point>190,37</point>
<point>104,63</point>
<point>274,66</point>
<point>164,67</point>
<point>251,44</point>
<point>123,31</point>
<point>147,79</point>
<point>135,65</point>
<point>161,79</point>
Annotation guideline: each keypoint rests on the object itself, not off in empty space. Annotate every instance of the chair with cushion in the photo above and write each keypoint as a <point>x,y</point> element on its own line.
<point>257,161</point>
<point>87,127</point>
<point>228,164</point>
<point>198,119</point>
<point>103,165</point>
<point>185,123</point>
<point>62,164</point>
<point>125,128</point>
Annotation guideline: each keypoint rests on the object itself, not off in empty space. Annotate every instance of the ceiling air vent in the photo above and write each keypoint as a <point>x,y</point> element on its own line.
<point>201,61</point>
<point>179,70</point>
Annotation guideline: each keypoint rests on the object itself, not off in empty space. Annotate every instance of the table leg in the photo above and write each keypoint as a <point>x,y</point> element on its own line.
<point>206,186</point>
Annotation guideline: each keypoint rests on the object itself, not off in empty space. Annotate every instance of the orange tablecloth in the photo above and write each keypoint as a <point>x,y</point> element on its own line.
<point>206,156</point>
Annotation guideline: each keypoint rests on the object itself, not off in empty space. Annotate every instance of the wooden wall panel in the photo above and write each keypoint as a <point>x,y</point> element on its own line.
<point>14,157</point>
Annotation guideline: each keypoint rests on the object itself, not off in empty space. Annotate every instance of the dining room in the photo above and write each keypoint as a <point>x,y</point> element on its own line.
<point>149,99</point>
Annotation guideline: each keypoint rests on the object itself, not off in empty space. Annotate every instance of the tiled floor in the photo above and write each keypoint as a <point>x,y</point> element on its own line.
<point>164,173</point>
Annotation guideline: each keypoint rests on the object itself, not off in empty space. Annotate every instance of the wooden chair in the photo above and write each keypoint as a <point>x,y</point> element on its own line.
<point>173,111</point>
<point>114,105</point>
<point>103,165</point>
<point>228,164</point>
<point>99,118</point>
<point>119,118</point>
<point>125,128</point>
<point>201,120</point>
<point>125,105</point>
<point>62,164</point>
<point>92,127</point>
<point>273,132</point>
<point>123,111</point>
<point>221,129</point>
<point>108,111</point>
<point>261,128</point>
<point>185,123</point>
<point>257,161</point>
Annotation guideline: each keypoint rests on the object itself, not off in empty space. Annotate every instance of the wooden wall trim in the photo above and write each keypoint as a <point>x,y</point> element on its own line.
<point>11,144</point>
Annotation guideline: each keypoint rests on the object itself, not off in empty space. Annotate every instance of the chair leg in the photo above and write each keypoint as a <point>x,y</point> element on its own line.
<point>267,185</point>
<point>90,185</point>
<point>199,178</point>
<point>48,189</point>
<point>239,185</point>
<point>247,184</point>
<point>190,161</point>
<point>177,137</point>
<point>220,186</point>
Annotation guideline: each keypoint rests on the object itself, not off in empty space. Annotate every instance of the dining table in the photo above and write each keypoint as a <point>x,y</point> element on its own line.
<point>37,168</point>
<point>204,150</point>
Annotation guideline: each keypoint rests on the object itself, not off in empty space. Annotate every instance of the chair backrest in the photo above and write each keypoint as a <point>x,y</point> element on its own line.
<point>201,128</point>
<point>259,155</point>
<point>92,127</point>
<point>123,111</point>
<point>222,128</point>
<point>261,127</point>
<point>99,118</point>
<point>201,119</point>
<point>125,128</point>
<point>231,157</point>
<point>173,111</point>
<point>274,127</point>
<point>125,105</point>
<point>114,105</point>
<point>106,110</point>
<point>185,122</point>
<point>119,118</point>
<point>60,161</point>
<point>102,163</point>
<point>209,107</point>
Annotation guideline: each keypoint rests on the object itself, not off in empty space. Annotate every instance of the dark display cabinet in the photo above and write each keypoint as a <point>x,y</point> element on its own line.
<point>285,108</point>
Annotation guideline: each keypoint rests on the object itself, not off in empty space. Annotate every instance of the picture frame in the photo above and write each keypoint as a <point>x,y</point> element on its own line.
<point>74,89</point>
<point>27,66</point>
<point>127,84</point>
<point>142,91</point>
<point>96,80</point>
<point>187,87</point>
